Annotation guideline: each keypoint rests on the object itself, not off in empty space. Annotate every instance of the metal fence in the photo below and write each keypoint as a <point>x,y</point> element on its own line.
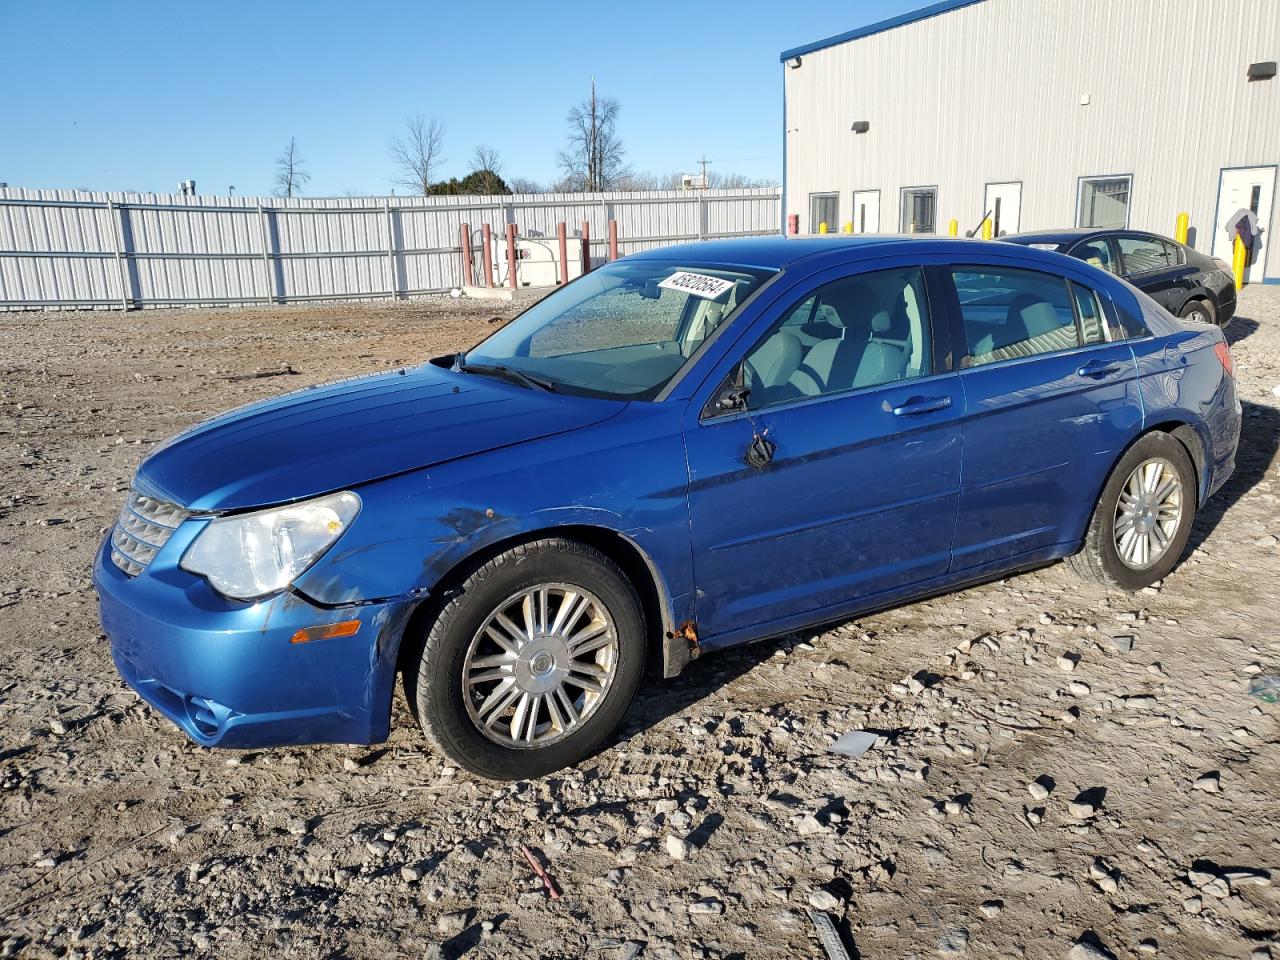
<point>77,249</point>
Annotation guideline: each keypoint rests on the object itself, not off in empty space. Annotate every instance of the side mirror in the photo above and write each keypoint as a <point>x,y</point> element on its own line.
<point>732,396</point>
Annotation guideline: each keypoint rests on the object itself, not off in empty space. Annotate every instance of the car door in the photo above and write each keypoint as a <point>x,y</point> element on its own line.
<point>1050,401</point>
<point>852,488</point>
<point>1153,265</point>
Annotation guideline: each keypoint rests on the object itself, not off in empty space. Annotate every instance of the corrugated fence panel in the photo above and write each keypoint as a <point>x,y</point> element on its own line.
<point>71,248</point>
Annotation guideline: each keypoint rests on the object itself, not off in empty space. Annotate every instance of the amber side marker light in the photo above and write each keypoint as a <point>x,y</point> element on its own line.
<point>347,628</point>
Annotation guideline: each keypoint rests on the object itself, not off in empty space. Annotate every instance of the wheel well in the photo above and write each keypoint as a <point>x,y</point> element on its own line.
<point>633,563</point>
<point>1186,435</point>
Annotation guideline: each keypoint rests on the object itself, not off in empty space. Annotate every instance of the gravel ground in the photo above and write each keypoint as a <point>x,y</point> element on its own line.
<point>1064,771</point>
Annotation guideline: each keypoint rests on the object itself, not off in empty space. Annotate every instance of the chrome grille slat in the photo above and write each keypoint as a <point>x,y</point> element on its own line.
<point>144,526</point>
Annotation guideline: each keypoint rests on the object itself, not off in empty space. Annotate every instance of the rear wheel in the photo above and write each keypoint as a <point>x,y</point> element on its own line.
<point>531,663</point>
<point>1199,310</point>
<point>1143,518</point>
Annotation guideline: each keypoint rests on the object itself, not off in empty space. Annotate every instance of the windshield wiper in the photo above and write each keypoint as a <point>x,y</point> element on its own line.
<point>505,372</point>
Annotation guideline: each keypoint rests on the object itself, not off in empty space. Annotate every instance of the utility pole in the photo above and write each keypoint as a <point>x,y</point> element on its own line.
<point>704,161</point>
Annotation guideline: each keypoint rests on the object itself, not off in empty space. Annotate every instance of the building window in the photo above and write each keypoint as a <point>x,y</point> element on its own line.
<point>824,208</point>
<point>918,209</point>
<point>1104,202</point>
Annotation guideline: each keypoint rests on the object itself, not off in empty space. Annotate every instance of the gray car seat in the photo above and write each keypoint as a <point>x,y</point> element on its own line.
<point>770,367</point>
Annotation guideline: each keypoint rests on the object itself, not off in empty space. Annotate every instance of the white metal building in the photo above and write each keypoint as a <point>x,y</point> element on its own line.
<point>1045,113</point>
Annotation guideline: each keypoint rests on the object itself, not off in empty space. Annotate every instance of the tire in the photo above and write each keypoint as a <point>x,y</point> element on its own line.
<point>1201,311</point>
<point>1100,559</point>
<point>477,725</point>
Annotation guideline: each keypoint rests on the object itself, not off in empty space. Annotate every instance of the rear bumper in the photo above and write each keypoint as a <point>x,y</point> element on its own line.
<point>1224,440</point>
<point>227,674</point>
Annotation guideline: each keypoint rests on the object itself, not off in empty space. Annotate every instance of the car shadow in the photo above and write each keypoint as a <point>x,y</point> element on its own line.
<point>1238,328</point>
<point>658,699</point>
<point>1259,440</point>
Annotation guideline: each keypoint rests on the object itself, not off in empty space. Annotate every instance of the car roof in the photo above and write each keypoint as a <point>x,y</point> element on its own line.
<point>776,252</point>
<point>1056,236</point>
<point>1078,233</point>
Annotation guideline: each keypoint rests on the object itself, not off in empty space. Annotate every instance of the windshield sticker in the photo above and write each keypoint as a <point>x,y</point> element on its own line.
<point>697,284</point>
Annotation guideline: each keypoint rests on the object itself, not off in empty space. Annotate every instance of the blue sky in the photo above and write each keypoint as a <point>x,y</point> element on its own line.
<point>139,95</point>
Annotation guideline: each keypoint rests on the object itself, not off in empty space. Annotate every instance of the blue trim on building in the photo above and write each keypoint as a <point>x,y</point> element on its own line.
<point>783,202</point>
<point>924,13</point>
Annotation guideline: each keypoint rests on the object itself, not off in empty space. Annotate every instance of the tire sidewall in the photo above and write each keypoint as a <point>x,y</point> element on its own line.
<point>1200,311</point>
<point>440,699</point>
<point>1151,445</point>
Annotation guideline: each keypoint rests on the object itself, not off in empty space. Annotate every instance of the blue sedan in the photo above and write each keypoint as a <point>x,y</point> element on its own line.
<point>684,450</point>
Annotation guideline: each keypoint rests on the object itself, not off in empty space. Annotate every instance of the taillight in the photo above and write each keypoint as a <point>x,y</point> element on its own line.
<point>1224,357</point>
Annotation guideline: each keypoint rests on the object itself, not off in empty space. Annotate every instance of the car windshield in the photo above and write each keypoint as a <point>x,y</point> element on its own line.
<point>622,331</point>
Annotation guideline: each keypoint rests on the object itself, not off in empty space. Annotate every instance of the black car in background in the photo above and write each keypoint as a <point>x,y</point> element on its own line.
<point>1186,283</point>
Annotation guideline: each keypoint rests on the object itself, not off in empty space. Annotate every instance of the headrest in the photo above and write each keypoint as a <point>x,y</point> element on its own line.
<point>881,322</point>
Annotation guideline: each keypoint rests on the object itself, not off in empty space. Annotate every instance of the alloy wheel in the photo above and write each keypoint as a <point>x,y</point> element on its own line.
<point>540,665</point>
<point>1148,513</point>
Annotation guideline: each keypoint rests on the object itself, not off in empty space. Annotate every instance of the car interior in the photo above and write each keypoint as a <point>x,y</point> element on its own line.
<point>1014,313</point>
<point>853,333</point>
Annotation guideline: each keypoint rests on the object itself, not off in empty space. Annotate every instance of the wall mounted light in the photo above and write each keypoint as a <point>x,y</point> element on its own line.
<point>860,126</point>
<point>1262,71</point>
<point>793,63</point>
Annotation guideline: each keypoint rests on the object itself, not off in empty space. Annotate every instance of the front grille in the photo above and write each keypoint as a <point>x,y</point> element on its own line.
<point>145,525</point>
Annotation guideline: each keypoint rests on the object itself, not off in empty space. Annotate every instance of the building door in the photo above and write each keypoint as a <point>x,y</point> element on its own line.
<point>1251,188</point>
<point>866,211</point>
<point>1004,206</point>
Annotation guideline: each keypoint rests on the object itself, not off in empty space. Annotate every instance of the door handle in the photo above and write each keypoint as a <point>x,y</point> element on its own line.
<point>918,405</point>
<point>1097,369</point>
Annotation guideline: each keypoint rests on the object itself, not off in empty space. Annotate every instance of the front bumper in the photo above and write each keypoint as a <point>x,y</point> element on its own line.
<point>226,673</point>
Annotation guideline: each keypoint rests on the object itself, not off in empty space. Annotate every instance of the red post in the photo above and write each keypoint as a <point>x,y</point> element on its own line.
<point>511,255</point>
<point>586,246</point>
<point>563,236</point>
<point>613,239</point>
<point>468,267</point>
<point>486,237</point>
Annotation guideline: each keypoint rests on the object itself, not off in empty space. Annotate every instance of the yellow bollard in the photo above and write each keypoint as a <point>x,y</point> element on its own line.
<point>986,229</point>
<point>1182,227</point>
<point>953,228</point>
<point>1239,261</point>
<point>848,227</point>
<point>822,227</point>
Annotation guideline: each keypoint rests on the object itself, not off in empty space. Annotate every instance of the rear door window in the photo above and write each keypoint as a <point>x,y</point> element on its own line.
<point>1095,252</point>
<point>1010,313</point>
<point>1145,255</point>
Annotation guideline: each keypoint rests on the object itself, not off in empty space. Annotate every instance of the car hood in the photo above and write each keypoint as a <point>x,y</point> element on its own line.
<point>340,435</point>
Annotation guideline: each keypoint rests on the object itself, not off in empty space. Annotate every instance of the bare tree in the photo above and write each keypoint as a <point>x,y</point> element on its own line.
<point>485,168</point>
<point>525,185</point>
<point>483,158</point>
<point>417,154</point>
<point>594,158</point>
<point>291,175</point>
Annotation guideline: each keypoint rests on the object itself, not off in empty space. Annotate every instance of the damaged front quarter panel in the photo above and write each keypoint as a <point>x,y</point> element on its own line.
<point>417,529</point>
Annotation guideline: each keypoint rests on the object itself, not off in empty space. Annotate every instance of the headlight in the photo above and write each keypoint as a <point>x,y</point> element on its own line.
<point>253,554</point>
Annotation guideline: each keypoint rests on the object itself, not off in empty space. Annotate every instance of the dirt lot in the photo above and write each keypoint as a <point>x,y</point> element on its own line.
<point>1154,827</point>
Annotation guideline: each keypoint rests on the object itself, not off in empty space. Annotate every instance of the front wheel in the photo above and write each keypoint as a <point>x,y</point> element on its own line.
<point>531,663</point>
<point>1143,517</point>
